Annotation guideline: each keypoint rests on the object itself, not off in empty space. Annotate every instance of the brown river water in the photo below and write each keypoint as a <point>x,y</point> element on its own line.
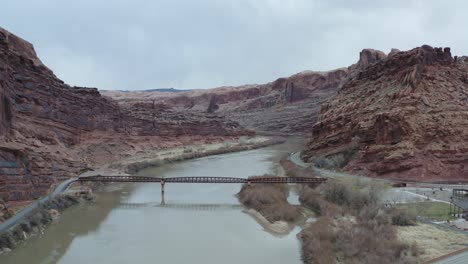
<point>201,223</point>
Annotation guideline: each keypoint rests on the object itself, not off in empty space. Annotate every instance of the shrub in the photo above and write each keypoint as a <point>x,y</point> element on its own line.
<point>281,212</point>
<point>270,200</point>
<point>6,240</point>
<point>311,199</point>
<point>374,215</point>
<point>317,242</point>
<point>364,235</point>
<point>403,217</point>
<point>338,160</point>
<point>188,150</point>
<point>45,217</point>
<point>17,233</point>
<point>323,162</point>
<point>26,226</point>
<point>336,193</point>
<point>34,219</point>
<point>343,195</point>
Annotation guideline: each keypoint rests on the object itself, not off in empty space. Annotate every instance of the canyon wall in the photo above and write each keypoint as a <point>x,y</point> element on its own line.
<point>287,105</point>
<point>405,117</point>
<point>50,131</point>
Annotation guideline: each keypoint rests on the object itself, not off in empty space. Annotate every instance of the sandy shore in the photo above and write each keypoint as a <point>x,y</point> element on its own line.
<point>277,228</point>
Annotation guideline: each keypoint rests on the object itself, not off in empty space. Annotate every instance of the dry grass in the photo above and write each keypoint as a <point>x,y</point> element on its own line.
<point>435,241</point>
<point>433,210</point>
<point>271,201</point>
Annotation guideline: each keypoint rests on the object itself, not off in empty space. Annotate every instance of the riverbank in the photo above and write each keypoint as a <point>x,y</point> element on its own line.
<point>201,218</point>
<point>280,228</point>
<point>156,158</point>
<point>33,209</point>
<point>35,222</point>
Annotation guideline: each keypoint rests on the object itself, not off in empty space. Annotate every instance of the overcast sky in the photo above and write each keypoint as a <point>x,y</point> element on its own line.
<point>144,44</point>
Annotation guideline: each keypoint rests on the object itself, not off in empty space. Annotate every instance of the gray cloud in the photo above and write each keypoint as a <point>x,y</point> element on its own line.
<point>142,44</point>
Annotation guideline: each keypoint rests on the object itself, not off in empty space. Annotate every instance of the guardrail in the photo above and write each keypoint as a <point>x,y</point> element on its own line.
<point>12,221</point>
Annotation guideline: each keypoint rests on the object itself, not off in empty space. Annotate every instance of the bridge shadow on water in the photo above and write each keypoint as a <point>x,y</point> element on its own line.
<point>182,206</point>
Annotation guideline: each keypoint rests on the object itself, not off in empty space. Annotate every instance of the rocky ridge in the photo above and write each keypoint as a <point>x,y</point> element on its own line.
<point>405,117</point>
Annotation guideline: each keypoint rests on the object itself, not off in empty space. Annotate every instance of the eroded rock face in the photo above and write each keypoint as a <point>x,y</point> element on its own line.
<point>407,116</point>
<point>284,105</point>
<point>50,131</point>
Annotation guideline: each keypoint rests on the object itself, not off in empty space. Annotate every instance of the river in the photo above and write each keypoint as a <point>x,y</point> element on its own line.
<point>200,223</point>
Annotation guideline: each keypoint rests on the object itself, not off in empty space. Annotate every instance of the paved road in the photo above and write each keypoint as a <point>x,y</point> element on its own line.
<point>12,221</point>
<point>461,258</point>
<point>295,158</point>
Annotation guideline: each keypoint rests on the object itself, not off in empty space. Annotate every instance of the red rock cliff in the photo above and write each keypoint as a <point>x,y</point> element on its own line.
<point>407,116</point>
<point>50,131</point>
<point>286,105</point>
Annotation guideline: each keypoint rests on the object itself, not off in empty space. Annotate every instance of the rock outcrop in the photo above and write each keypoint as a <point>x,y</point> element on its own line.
<point>286,105</point>
<point>50,131</point>
<point>405,117</point>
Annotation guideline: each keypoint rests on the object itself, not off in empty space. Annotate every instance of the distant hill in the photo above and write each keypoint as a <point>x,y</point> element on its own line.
<point>163,90</point>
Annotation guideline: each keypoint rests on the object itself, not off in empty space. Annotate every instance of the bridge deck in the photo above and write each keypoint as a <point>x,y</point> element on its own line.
<point>202,179</point>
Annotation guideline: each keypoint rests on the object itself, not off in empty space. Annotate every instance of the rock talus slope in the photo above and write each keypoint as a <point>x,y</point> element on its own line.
<point>50,131</point>
<point>406,116</point>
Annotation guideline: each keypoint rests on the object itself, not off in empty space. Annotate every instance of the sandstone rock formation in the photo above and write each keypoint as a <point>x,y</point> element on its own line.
<point>50,131</point>
<point>286,105</point>
<point>406,116</point>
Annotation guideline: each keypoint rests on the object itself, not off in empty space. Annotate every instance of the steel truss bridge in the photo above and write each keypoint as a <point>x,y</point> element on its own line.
<point>314,181</point>
<point>203,179</point>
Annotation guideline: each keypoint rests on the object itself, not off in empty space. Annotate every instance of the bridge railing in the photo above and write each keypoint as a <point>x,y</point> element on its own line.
<point>202,179</point>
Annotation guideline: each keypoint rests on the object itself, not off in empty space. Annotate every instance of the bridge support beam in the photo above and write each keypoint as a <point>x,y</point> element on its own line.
<point>162,192</point>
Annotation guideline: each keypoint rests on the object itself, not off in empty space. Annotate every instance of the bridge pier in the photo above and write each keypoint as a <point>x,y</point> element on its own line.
<point>162,192</point>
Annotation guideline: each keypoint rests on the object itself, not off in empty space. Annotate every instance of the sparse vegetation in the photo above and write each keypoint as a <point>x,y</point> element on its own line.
<point>36,220</point>
<point>336,161</point>
<point>353,227</point>
<point>292,170</point>
<point>403,218</point>
<point>270,200</point>
<point>434,240</point>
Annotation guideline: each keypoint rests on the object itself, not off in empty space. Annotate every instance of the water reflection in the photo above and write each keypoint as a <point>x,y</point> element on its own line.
<point>183,206</point>
<point>197,223</point>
